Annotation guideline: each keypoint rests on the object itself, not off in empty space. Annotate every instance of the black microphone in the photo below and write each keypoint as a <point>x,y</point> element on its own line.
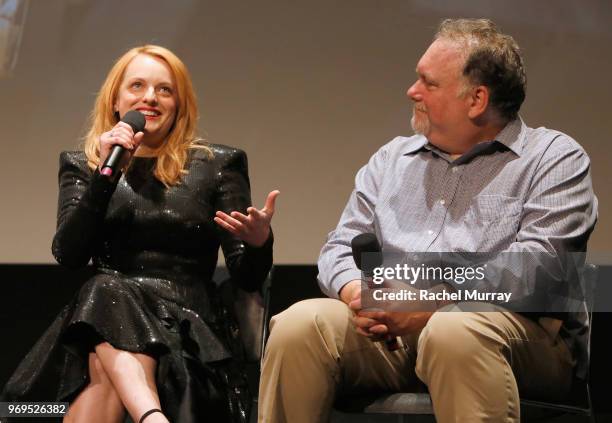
<point>112,163</point>
<point>368,256</point>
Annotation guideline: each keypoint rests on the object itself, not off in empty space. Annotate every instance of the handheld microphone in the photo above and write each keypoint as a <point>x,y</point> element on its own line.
<point>113,162</point>
<point>368,256</point>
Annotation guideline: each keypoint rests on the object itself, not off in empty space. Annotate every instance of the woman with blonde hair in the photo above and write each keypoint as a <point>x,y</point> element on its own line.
<point>144,333</point>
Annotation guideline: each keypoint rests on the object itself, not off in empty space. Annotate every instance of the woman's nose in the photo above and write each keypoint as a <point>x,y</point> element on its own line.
<point>150,95</point>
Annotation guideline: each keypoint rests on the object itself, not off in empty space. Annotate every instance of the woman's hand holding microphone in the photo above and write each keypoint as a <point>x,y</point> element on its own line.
<point>121,134</point>
<point>126,134</point>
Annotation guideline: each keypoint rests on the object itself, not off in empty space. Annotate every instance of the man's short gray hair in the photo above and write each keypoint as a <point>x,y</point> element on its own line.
<point>493,59</point>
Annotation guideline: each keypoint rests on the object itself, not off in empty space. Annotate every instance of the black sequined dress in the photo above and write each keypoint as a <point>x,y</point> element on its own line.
<point>155,250</point>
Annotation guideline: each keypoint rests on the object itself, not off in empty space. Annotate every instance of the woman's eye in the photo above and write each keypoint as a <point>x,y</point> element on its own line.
<point>136,84</point>
<point>165,90</point>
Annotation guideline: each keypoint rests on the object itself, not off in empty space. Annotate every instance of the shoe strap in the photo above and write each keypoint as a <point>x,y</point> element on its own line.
<point>148,413</point>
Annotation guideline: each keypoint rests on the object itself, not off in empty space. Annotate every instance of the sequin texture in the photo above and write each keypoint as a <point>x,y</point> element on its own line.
<point>155,250</point>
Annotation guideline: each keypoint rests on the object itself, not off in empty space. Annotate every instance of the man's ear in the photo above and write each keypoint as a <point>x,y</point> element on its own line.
<point>479,101</point>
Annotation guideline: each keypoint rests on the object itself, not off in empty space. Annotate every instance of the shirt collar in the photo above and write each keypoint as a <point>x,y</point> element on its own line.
<point>512,136</point>
<point>415,146</point>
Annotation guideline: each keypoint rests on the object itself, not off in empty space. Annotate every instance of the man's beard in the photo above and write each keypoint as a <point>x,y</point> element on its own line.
<point>420,124</point>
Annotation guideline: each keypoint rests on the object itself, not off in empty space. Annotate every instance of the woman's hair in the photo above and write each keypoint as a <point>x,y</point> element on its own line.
<point>171,155</point>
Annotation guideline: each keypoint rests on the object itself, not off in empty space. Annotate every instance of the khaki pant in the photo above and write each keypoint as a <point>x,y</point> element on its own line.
<point>473,363</point>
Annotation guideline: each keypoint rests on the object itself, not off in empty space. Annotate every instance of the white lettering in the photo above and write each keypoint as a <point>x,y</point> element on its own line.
<point>378,271</point>
<point>487,296</point>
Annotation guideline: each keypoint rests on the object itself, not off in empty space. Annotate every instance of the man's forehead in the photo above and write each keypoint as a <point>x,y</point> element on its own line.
<point>441,55</point>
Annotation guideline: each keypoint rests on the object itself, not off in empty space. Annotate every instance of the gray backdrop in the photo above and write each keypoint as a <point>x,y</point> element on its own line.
<point>310,89</point>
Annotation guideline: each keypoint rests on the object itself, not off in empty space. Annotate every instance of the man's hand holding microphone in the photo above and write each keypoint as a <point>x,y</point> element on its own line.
<point>377,325</point>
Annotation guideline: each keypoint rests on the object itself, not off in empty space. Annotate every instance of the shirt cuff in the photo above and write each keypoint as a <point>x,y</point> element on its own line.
<point>264,250</point>
<point>342,279</point>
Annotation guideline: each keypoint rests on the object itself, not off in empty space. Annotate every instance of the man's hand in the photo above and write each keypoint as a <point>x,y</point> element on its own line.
<point>381,324</point>
<point>350,292</point>
<point>253,228</point>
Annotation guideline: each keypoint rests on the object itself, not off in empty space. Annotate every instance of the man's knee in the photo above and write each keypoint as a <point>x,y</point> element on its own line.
<point>457,337</point>
<point>318,322</point>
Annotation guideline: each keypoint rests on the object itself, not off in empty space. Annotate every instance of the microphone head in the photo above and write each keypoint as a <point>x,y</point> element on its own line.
<point>135,119</point>
<point>366,243</point>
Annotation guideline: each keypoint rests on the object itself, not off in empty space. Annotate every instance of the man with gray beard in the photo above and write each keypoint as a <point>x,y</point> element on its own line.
<point>475,178</point>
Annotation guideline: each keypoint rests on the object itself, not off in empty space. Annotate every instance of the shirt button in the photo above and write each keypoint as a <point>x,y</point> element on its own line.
<point>430,232</point>
<point>442,202</point>
<point>455,169</point>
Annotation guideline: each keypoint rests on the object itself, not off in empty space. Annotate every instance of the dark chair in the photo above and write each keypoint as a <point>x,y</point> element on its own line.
<point>247,310</point>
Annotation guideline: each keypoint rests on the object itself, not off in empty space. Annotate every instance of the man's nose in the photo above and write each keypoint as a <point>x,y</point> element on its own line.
<point>413,91</point>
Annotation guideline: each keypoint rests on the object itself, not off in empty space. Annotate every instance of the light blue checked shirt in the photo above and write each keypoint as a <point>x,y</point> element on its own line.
<point>529,190</point>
